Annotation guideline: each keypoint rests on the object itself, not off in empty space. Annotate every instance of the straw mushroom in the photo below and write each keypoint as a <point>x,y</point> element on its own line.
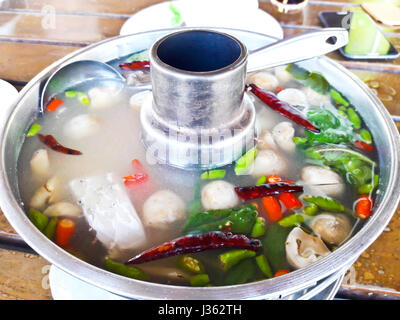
<point>332,228</point>
<point>104,97</point>
<point>323,180</point>
<point>316,99</point>
<point>82,126</point>
<point>40,164</point>
<point>219,194</point>
<point>65,209</point>
<point>283,134</point>
<point>303,249</point>
<point>292,96</point>
<point>264,80</point>
<point>266,141</point>
<point>268,162</point>
<point>162,209</point>
<point>43,194</point>
<point>282,74</point>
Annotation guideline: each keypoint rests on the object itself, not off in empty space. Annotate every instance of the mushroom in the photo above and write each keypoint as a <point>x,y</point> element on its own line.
<point>316,99</point>
<point>40,164</point>
<point>323,180</point>
<point>219,194</point>
<point>292,96</point>
<point>268,162</point>
<point>303,249</point>
<point>65,209</point>
<point>162,209</point>
<point>137,100</point>
<point>332,228</point>
<point>264,80</point>
<point>82,126</point>
<point>266,141</point>
<point>43,194</point>
<point>104,97</point>
<point>283,134</point>
<point>282,75</point>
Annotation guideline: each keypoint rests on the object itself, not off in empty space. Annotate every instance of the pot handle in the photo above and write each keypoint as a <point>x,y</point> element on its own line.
<point>297,48</point>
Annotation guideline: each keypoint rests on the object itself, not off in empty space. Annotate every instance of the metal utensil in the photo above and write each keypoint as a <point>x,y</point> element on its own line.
<point>293,49</point>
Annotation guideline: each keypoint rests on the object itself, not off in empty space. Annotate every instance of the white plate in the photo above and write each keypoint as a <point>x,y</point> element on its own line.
<point>236,14</point>
<point>8,95</point>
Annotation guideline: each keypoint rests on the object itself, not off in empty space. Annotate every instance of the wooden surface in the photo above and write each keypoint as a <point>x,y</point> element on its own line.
<point>31,39</point>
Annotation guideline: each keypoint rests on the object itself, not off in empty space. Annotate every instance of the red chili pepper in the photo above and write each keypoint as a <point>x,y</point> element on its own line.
<point>264,190</point>
<point>53,144</point>
<point>278,89</point>
<point>54,104</point>
<point>197,243</point>
<point>363,206</point>
<point>283,108</point>
<point>364,146</point>
<point>281,272</point>
<point>272,208</point>
<point>136,65</point>
<point>135,179</point>
<point>290,201</point>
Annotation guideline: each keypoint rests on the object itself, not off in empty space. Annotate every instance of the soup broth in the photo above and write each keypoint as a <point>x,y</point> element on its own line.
<point>337,169</point>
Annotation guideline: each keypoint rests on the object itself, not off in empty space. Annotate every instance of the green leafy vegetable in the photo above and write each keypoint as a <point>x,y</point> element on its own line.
<point>325,203</point>
<point>241,273</point>
<point>293,220</point>
<point>313,80</point>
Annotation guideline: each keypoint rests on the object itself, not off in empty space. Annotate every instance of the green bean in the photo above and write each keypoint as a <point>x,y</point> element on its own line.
<point>244,162</point>
<point>325,203</point>
<point>354,118</point>
<point>124,270</point>
<point>292,221</point>
<point>338,98</point>
<point>299,140</point>
<point>258,228</point>
<point>263,265</point>
<point>213,174</point>
<point>311,209</point>
<point>50,229</point>
<point>230,258</point>
<point>199,280</point>
<point>83,98</point>
<point>70,94</point>
<point>34,130</point>
<point>369,187</point>
<point>261,180</point>
<point>38,219</point>
<point>366,136</point>
<point>189,263</point>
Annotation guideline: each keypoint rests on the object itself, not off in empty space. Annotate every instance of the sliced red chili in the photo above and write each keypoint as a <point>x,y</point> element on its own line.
<point>53,144</point>
<point>135,178</point>
<point>264,190</point>
<point>282,107</point>
<point>197,243</point>
<point>136,65</point>
<point>363,146</point>
<point>54,104</point>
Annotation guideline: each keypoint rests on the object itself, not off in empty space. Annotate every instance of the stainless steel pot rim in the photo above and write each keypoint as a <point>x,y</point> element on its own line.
<point>284,285</point>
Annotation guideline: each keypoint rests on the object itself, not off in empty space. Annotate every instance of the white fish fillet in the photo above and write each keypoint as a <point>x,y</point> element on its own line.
<point>109,211</point>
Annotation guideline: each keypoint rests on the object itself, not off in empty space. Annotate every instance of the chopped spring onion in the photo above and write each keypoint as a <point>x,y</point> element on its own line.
<point>244,162</point>
<point>213,174</point>
<point>70,94</point>
<point>83,98</point>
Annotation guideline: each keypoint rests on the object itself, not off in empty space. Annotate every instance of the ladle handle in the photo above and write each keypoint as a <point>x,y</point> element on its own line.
<point>297,48</point>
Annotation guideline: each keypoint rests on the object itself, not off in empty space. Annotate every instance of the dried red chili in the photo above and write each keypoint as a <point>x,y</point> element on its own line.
<point>283,108</point>
<point>197,243</point>
<point>136,65</point>
<point>53,144</point>
<point>264,190</point>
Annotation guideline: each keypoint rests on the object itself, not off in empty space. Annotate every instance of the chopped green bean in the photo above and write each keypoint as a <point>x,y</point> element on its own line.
<point>325,203</point>
<point>230,258</point>
<point>338,98</point>
<point>263,264</point>
<point>261,180</point>
<point>369,187</point>
<point>70,93</point>
<point>299,140</point>
<point>292,221</point>
<point>199,280</point>
<point>244,162</point>
<point>258,228</point>
<point>124,270</point>
<point>311,209</point>
<point>213,174</point>
<point>354,118</point>
<point>38,219</point>
<point>34,130</point>
<point>189,263</point>
<point>50,229</point>
<point>366,136</point>
<point>83,98</point>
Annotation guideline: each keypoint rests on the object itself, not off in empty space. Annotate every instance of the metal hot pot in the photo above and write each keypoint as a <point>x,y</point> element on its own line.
<point>303,283</point>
